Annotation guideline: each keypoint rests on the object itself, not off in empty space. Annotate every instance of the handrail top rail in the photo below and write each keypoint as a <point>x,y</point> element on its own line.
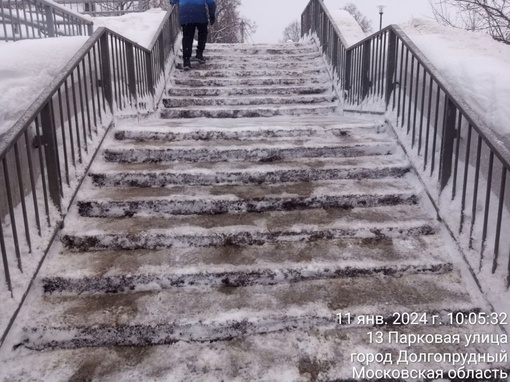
<point>66,11</point>
<point>8,139</point>
<point>473,117</point>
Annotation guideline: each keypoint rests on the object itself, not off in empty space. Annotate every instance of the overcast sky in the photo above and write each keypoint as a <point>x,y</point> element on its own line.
<point>272,16</point>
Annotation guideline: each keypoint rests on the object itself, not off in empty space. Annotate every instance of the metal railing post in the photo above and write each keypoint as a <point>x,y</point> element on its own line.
<point>447,143</point>
<point>50,22</point>
<point>50,151</point>
<point>365,69</point>
<point>106,72</point>
<point>348,70</point>
<point>130,57</point>
<point>150,76</point>
<point>391,63</point>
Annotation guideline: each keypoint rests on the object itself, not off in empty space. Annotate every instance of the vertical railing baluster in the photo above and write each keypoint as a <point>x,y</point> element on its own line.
<point>475,192</point>
<point>63,133</point>
<point>497,240</point>
<point>11,214</point>
<point>447,143</point>
<point>42,170</point>
<point>411,82</point>
<point>487,206</point>
<point>465,179</point>
<point>21,186</point>
<point>391,63</point>
<point>106,74</point>
<point>436,128</point>
<point>51,155</point>
<point>5,261</point>
<point>458,136</point>
<point>33,185</point>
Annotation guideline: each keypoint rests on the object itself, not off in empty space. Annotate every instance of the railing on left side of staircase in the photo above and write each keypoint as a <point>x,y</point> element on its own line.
<point>34,19</point>
<point>462,158</point>
<point>45,155</point>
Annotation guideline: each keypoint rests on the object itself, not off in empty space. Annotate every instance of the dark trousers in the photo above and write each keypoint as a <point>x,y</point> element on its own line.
<point>188,33</point>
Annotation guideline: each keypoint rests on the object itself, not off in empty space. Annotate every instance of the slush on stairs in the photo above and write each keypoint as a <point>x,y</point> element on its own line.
<point>239,227</point>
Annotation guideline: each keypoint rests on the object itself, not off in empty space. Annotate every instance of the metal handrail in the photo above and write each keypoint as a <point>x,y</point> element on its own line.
<point>33,19</point>
<point>45,155</point>
<point>106,7</point>
<point>388,70</point>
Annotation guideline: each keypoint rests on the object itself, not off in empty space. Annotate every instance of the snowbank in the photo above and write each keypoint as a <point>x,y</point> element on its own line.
<point>476,65</point>
<point>28,66</point>
<point>350,29</point>
<point>138,27</point>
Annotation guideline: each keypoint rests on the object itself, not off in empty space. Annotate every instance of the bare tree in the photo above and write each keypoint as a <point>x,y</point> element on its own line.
<point>292,32</point>
<point>230,26</point>
<point>490,16</point>
<point>363,21</point>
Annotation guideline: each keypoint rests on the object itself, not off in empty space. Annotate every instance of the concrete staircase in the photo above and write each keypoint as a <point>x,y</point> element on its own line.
<point>233,243</point>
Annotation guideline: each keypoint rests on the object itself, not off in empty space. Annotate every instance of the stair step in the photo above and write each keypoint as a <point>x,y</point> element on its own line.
<point>203,72</point>
<point>248,111</point>
<point>220,199</point>
<point>184,102</point>
<point>187,314</point>
<point>244,91</point>
<point>326,144</point>
<point>258,154</point>
<point>268,264</point>
<point>252,50</point>
<point>216,63</point>
<point>205,174</point>
<point>240,57</point>
<point>246,228</point>
<point>251,82</point>
<point>242,128</point>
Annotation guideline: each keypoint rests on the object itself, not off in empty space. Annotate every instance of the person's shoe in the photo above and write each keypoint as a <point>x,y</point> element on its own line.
<point>201,59</point>
<point>186,65</point>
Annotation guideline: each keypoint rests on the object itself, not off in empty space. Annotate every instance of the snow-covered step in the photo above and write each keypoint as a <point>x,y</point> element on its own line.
<point>202,72</point>
<point>299,355</point>
<point>221,199</point>
<point>96,234</point>
<point>244,91</point>
<point>290,56</point>
<point>183,102</point>
<point>250,111</point>
<point>355,144</point>
<point>255,64</point>
<point>154,154</point>
<point>205,174</point>
<point>253,50</point>
<point>212,314</point>
<point>334,127</point>
<point>260,81</point>
<point>234,266</point>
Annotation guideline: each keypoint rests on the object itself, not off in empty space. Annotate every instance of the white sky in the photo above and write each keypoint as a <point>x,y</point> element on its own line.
<point>272,16</point>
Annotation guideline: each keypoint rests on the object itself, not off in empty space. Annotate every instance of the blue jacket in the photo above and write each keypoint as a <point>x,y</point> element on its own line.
<point>195,11</point>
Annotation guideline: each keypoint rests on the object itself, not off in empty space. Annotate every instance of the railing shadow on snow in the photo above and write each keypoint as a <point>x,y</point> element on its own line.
<point>462,163</point>
<point>44,156</point>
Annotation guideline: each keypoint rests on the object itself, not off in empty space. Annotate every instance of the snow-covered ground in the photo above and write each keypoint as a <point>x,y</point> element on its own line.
<point>28,66</point>
<point>476,65</point>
